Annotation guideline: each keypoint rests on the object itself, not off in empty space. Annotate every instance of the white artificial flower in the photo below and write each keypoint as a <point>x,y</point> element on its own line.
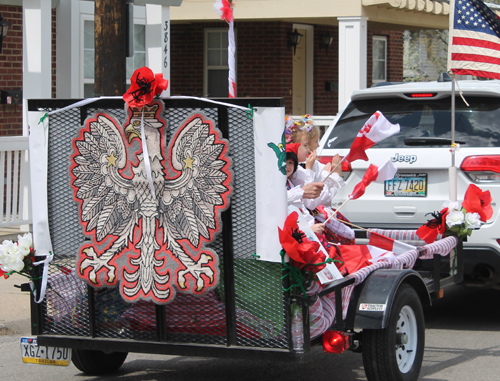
<point>452,205</point>
<point>12,261</point>
<point>454,218</point>
<point>3,251</point>
<point>9,246</point>
<point>472,220</point>
<point>24,243</point>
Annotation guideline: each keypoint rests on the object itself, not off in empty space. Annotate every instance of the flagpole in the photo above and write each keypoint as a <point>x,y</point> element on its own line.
<point>452,171</point>
<point>335,212</point>
<point>350,224</point>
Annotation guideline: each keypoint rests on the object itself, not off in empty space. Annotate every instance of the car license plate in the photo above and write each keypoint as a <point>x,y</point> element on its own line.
<point>406,185</point>
<point>34,354</point>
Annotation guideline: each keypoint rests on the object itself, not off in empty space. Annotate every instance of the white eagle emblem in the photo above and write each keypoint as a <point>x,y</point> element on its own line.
<point>148,243</point>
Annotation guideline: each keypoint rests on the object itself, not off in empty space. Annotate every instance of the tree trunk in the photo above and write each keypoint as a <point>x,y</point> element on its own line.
<point>110,47</point>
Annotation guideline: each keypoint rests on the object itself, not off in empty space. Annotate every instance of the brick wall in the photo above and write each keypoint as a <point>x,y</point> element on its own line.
<point>265,65</point>
<point>11,68</point>
<point>326,69</point>
<point>394,55</point>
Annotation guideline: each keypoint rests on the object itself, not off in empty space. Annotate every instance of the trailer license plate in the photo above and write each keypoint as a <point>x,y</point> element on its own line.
<point>406,185</point>
<point>34,354</point>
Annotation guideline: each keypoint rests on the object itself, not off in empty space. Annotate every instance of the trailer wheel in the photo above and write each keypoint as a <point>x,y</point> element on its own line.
<point>396,352</point>
<point>97,362</point>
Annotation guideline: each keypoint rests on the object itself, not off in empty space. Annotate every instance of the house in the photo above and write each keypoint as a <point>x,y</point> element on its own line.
<point>345,45</point>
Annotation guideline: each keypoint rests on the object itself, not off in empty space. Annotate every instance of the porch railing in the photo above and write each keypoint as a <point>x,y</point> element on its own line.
<point>15,192</point>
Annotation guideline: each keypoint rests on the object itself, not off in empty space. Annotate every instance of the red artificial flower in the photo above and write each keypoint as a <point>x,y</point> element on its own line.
<point>145,85</point>
<point>161,84</point>
<point>298,247</point>
<point>432,228</point>
<point>477,201</point>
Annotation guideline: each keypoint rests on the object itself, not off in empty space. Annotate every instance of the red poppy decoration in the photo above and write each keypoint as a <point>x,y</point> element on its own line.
<point>298,247</point>
<point>145,85</point>
<point>477,201</point>
<point>432,228</point>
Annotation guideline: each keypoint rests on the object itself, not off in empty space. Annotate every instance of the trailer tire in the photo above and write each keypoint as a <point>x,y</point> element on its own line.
<point>395,353</point>
<point>96,363</point>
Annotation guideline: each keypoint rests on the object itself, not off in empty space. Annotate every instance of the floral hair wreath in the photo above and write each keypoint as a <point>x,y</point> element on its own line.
<point>303,124</point>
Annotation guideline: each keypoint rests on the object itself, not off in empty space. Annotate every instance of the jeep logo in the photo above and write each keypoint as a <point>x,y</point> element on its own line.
<point>404,159</point>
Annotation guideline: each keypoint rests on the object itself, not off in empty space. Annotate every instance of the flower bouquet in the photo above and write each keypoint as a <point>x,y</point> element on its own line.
<point>306,258</point>
<point>17,258</point>
<point>459,219</point>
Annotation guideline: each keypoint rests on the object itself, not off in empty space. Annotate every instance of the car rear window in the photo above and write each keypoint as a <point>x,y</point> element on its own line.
<point>476,125</point>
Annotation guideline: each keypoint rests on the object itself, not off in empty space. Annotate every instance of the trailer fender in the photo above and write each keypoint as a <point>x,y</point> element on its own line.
<point>372,300</point>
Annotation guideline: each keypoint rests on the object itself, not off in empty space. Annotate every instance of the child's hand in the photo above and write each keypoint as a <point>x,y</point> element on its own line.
<point>310,160</point>
<point>312,190</point>
<point>318,228</point>
<point>328,167</point>
<point>336,163</point>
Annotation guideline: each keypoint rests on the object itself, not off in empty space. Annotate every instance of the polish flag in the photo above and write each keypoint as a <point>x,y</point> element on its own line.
<point>390,244</point>
<point>378,174</point>
<point>376,129</point>
<point>358,256</point>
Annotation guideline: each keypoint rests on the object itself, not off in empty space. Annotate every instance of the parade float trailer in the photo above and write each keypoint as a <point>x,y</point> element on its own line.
<point>179,254</point>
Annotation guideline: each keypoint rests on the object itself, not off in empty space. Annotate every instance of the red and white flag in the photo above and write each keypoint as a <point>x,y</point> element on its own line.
<point>378,174</point>
<point>376,129</point>
<point>474,39</point>
<point>358,256</point>
<point>390,244</point>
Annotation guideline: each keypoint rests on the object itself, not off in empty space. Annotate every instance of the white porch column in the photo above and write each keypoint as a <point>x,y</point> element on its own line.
<point>158,40</point>
<point>353,35</point>
<point>37,52</point>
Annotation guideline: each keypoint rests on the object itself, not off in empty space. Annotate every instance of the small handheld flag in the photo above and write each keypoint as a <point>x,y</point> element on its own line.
<point>384,172</point>
<point>376,129</point>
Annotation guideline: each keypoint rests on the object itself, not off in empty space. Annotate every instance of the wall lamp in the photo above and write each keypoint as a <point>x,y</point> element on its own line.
<point>325,40</point>
<point>293,40</point>
<point>4,29</point>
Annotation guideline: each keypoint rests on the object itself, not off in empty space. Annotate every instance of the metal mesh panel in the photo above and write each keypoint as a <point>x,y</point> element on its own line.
<point>259,299</point>
<point>66,311</point>
<point>191,319</point>
<point>258,309</point>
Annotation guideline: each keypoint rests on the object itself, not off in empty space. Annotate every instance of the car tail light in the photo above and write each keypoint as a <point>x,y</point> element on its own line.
<point>421,95</point>
<point>335,342</point>
<point>482,169</point>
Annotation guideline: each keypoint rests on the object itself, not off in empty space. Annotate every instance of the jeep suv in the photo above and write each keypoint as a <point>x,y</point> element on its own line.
<point>421,151</point>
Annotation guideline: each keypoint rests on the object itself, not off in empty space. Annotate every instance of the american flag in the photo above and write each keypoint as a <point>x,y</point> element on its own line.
<point>474,44</point>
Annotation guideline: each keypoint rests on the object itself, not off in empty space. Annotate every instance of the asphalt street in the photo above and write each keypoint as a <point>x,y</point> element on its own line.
<point>462,344</point>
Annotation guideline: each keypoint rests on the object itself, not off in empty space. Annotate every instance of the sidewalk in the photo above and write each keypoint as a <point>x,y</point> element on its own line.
<point>14,304</point>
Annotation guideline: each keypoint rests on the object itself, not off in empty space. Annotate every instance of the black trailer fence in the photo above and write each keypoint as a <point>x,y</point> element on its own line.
<point>249,308</point>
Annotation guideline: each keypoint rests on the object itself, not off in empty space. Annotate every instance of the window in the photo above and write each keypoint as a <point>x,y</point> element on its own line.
<point>133,63</point>
<point>379,71</point>
<point>216,69</point>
